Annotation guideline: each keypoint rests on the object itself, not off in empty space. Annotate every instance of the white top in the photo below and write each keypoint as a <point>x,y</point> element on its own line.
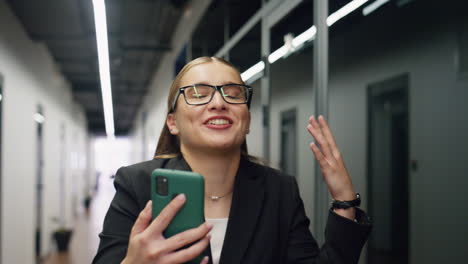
<point>217,237</point>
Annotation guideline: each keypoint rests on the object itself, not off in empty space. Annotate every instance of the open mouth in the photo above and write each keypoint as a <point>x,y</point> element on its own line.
<point>218,122</point>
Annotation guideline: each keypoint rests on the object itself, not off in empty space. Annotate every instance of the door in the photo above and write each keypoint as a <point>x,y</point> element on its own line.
<point>288,150</point>
<point>388,171</point>
<point>62,179</point>
<point>1,147</point>
<point>39,119</point>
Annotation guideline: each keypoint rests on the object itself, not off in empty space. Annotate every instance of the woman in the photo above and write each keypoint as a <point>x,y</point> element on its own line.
<point>254,213</point>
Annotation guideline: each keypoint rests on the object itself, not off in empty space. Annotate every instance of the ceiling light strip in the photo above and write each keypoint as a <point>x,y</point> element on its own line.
<point>373,6</point>
<point>307,35</point>
<point>344,11</point>
<point>252,71</point>
<point>104,71</point>
<point>277,54</point>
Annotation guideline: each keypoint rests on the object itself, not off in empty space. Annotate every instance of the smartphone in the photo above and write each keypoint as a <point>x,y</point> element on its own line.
<point>166,185</point>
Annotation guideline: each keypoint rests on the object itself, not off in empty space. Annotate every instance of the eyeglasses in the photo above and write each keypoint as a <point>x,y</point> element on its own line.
<point>200,94</point>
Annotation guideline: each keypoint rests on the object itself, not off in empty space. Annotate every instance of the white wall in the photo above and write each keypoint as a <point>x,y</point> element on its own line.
<point>111,154</point>
<point>31,78</point>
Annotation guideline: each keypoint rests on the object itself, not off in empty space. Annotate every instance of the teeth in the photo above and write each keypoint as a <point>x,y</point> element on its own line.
<point>218,122</point>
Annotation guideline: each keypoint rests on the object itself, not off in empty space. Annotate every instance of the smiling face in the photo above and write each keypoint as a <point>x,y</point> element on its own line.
<point>216,126</point>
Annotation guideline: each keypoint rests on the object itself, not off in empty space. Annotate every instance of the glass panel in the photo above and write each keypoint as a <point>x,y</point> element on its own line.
<point>1,145</point>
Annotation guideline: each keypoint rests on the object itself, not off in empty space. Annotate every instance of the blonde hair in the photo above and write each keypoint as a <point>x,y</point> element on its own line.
<point>168,144</point>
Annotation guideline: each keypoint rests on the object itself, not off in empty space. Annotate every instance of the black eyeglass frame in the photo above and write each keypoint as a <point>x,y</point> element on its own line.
<point>216,88</point>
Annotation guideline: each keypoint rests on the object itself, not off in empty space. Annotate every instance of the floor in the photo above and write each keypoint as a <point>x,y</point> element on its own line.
<point>85,238</point>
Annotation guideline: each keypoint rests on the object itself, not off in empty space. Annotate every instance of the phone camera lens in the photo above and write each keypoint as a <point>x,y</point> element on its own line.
<point>162,185</point>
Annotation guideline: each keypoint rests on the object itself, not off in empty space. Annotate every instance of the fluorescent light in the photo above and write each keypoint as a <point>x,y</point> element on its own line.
<point>277,54</point>
<point>344,11</point>
<point>305,36</point>
<point>39,118</point>
<point>1,97</point>
<point>249,73</point>
<point>104,72</point>
<point>373,6</point>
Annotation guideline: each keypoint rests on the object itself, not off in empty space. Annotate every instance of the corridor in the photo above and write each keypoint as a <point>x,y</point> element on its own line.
<point>85,240</point>
<point>86,87</point>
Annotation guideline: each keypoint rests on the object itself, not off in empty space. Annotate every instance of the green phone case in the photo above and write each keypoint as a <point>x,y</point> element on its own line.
<point>192,214</point>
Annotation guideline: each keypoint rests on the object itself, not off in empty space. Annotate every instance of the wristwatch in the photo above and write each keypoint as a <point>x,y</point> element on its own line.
<point>347,204</point>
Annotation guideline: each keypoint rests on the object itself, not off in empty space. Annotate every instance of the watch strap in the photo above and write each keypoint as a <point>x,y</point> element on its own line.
<point>347,204</point>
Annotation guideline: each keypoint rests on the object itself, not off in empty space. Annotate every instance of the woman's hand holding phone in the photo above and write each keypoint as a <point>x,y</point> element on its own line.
<point>148,245</point>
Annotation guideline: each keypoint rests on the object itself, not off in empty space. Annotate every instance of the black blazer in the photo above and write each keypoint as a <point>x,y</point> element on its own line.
<point>267,221</point>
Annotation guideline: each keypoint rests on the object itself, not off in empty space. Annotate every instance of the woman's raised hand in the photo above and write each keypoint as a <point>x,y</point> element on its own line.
<point>148,245</point>
<point>330,161</point>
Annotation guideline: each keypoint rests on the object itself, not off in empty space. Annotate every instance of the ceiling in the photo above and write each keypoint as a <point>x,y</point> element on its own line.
<point>141,31</point>
<point>139,34</point>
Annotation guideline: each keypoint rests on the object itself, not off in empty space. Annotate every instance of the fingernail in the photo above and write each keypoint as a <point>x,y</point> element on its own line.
<point>148,205</point>
<point>209,225</point>
<point>181,197</point>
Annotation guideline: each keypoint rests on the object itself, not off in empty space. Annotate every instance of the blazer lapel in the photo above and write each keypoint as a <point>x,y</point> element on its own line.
<point>245,210</point>
<point>246,207</point>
